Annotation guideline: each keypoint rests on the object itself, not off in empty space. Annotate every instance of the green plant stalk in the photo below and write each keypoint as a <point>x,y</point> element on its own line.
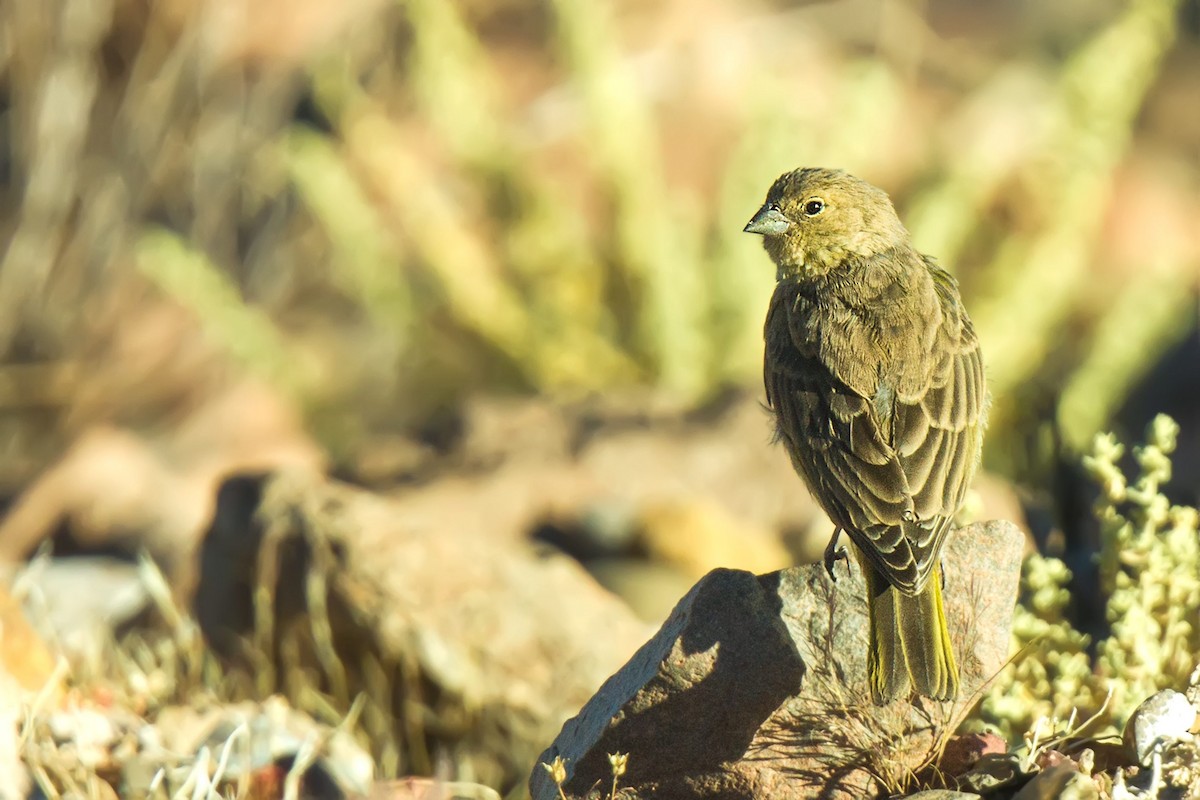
<point>365,263</point>
<point>547,249</point>
<point>246,333</point>
<point>471,281</point>
<point>1101,91</point>
<point>474,292</point>
<point>454,86</point>
<point>1154,313</point>
<point>649,232</point>
<point>992,134</point>
<point>739,274</point>
<point>543,257</point>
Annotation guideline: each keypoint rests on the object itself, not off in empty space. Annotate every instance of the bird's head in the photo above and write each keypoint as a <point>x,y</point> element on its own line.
<point>813,219</point>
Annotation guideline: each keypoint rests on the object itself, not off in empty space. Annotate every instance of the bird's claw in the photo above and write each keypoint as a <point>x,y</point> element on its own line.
<point>833,554</point>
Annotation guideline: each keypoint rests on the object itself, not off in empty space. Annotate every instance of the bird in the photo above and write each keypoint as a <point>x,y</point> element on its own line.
<point>874,375</point>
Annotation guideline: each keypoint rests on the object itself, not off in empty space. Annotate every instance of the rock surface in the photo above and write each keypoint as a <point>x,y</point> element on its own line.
<point>1162,718</point>
<point>518,638</point>
<point>756,686</point>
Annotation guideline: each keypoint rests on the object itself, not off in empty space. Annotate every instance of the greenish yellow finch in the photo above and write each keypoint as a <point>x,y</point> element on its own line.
<point>873,371</point>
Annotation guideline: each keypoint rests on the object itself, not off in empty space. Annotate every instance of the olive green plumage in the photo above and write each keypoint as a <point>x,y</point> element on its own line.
<point>873,371</point>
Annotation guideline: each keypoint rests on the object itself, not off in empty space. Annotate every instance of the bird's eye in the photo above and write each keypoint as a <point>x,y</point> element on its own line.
<point>814,207</point>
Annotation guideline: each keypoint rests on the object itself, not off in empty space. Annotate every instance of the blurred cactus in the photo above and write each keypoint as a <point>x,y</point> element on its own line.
<point>1035,284</point>
<point>1150,574</point>
<point>1051,674</point>
<point>650,227</point>
<point>468,264</point>
<point>1149,568</point>
<point>244,332</point>
<point>1150,317</point>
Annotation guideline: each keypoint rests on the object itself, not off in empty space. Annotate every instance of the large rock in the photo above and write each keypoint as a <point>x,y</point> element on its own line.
<point>496,642</point>
<point>756,686</point>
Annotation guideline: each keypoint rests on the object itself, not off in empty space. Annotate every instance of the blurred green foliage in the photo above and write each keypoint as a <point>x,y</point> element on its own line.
<point>405,240</point>
<point>1150,575</point>
<point>385,218</point>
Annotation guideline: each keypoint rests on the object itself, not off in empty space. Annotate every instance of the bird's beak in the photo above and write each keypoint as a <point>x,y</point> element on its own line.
<point>768,222</point>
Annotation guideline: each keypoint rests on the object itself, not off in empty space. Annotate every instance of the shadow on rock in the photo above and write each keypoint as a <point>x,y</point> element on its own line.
<point>756,687</point>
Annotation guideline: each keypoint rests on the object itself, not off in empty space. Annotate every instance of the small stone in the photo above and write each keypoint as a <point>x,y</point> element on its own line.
<point>90,733</point>
<point>993,771</point>
<point>1164,717</point>
<point>963,752</point>
<point>79,602</point>
<point>1063,781</point>
<point>699,536</point>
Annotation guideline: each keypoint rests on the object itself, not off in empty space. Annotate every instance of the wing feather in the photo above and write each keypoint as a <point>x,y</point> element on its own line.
<point>892,477</point>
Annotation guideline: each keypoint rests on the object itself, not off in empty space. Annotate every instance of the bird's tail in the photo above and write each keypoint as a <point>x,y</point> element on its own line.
<point>909,641</point>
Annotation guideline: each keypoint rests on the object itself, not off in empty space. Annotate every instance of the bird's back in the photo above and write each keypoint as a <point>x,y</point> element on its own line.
<point>876,381</point>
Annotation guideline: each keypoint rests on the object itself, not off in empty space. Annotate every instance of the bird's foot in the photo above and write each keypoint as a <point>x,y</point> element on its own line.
<point>834,553</point>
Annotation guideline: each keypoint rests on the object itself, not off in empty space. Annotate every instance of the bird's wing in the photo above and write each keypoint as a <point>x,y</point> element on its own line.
<point>891,480</point>
<point>936,434</point>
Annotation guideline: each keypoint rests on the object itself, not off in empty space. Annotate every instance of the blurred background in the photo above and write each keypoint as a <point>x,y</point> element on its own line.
<point>485,257</point>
